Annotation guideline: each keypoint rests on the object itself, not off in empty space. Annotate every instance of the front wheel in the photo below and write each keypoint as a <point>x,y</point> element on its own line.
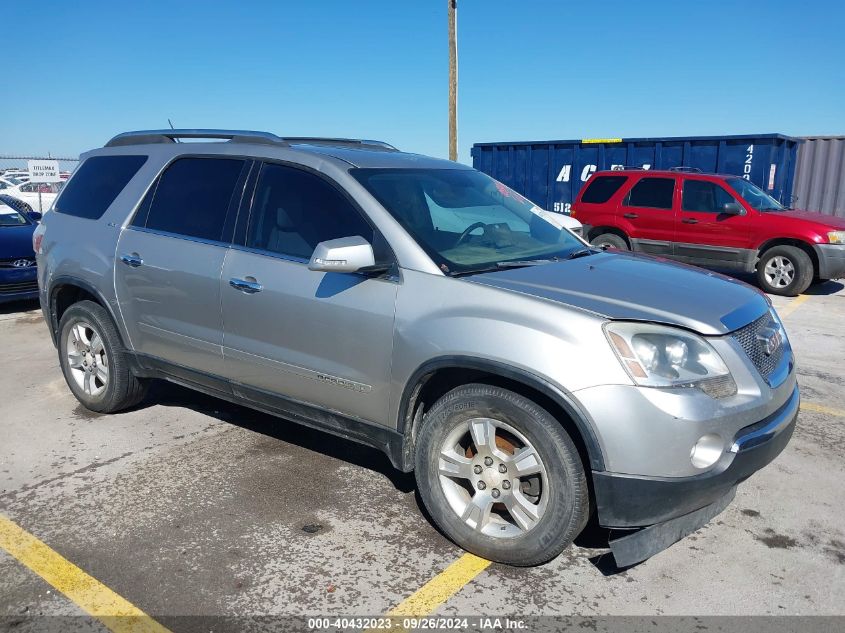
<point>500,476</point>
<point>785,270</point>
<point>609,240</point>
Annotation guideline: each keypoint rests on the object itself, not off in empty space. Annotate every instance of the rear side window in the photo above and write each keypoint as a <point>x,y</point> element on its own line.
<point>95,185</point>
<point>602,188</point>
<point>654,193</point>
<point>192,198</point>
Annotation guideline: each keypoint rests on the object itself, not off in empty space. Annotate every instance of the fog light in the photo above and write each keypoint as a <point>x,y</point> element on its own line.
<point>707,450</point>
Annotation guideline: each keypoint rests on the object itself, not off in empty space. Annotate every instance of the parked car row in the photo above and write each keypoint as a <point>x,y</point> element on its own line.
<point>712,220</point>
<point>39,196</point>
<point>22,175</point>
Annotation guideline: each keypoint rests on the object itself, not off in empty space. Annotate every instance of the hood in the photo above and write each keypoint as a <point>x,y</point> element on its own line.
<point>16,241</point>
<point>835,223</point>
<point>639,288</point>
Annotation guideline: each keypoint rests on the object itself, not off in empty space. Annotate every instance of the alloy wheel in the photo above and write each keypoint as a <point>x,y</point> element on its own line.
<point>493,478</point>
<point>87,358</point>
<point>779,271</point>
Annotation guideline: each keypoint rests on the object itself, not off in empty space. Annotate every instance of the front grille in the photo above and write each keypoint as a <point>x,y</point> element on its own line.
<point>19,286</point>
<point>17,262</point>
<point>749,338</point>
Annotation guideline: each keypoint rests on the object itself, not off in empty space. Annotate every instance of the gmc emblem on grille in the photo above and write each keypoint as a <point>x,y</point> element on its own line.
<point>22,263</point>
<point>770,340</point>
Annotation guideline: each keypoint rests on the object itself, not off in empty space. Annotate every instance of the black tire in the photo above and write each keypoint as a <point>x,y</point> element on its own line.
<point>122,388</point>
<point>609,240</point>
<point>567,506</point>
<point>792,256</point>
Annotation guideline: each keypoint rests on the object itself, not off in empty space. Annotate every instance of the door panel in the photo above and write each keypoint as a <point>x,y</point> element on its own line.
<point>706,235</point>
<point>169,296</point>
<point>647,215</point>
<point>320,338</point>
<point>168,262</point>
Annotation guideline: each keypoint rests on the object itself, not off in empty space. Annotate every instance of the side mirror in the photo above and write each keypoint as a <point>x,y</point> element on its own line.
<point>35,216</point>
<point>733,208</point>
<point>343,255</point>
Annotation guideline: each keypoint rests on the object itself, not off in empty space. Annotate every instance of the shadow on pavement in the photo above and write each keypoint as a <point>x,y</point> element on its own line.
<point>171,395</point>
<point>13,307</point>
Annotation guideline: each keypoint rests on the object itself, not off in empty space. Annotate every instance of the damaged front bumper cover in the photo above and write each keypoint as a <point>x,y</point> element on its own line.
<point>664,510</point>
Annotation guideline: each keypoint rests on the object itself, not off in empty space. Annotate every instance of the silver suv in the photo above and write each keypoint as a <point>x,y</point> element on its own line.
<point>419,306</point>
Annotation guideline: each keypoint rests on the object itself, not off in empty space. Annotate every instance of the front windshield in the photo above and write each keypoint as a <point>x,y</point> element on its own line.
<point>754,196</point>
<point>465,220</point>
<point>10,217</point>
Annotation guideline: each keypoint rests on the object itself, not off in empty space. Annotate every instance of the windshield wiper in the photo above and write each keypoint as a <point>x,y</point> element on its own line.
<point>522,263</point>
<point>519,263</point>
<point>582,252</point>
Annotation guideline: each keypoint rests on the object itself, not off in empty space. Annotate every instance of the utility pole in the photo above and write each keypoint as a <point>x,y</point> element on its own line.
<point>453,80</point>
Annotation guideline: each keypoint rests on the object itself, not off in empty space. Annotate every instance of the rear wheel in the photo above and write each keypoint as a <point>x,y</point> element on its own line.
<point>94,362</point>
<point>500,476</point>
<point>785,270</point>
<point>609,240</point>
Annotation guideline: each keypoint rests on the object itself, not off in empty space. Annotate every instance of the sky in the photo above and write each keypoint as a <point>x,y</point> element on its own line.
<point>79,72</point>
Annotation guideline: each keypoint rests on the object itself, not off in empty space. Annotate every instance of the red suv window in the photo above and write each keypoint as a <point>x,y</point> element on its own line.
<point>602,188</point>
<point>653,193</point>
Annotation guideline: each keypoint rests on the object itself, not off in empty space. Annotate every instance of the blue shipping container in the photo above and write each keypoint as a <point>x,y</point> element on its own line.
<point>550,173</point>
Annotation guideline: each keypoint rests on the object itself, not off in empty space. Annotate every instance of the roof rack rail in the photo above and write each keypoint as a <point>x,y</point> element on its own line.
<point>144,137</point>
<point>626,167</point>
<point>327,140</point>
<point>694,170</point>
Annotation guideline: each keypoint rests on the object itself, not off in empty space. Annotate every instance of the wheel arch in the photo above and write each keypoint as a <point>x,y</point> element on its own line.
<point>438,376</point>
<point>63,292</point>
<point>598,230</point>
<point>805,246</point>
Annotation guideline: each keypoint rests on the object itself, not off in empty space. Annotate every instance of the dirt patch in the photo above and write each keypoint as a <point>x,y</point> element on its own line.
<point>835,549</point>
<point>772,539</point>
<point>81,413</point>
<point>750,513</point>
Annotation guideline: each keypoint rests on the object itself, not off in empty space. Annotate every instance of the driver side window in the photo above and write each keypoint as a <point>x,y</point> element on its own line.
<point>294,210</point>
<point>704,197</point>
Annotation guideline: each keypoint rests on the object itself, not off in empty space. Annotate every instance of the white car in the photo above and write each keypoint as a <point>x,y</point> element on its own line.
<point>6,183</point>
<point>16,175</point>
<point>29,192</point>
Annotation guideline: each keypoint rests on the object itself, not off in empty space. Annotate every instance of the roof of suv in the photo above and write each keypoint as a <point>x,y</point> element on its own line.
<point>662,172</point>
<point>354,152</point>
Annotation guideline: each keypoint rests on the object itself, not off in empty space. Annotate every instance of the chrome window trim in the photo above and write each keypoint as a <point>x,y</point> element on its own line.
<point>178,236</point>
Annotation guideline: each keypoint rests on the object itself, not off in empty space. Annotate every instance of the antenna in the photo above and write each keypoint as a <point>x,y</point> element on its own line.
<point>175,140</point>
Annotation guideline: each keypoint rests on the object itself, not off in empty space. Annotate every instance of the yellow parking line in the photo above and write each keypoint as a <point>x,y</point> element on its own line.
<point>817,408</point>
<point>793,306</point>
<point>439,589</point>
<point>86,592</point>
<point>442,587</point>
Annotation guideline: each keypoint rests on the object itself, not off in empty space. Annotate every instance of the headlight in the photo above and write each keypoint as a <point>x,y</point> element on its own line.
<point>660,356</point>
<point>836,237</point>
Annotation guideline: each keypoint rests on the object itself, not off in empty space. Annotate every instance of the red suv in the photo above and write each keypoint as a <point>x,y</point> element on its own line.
<point>712,220</point>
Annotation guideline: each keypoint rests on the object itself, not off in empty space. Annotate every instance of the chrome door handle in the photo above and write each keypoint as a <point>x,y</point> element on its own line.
<point>245,285</point>
<point>132,260</point>
<point>689,221</point>
<point>630,216</point>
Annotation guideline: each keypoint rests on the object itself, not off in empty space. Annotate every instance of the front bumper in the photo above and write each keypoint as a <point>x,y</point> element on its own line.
<point>626,501</point>
<point>18,284</point>
<point>831,260</point>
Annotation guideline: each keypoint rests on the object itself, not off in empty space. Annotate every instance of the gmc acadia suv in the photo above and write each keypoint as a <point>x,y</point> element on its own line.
<point>420,307</point>
<point>712,220</point>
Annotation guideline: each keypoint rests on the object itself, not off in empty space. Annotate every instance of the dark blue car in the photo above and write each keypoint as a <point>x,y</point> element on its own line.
<point>18,275</point>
